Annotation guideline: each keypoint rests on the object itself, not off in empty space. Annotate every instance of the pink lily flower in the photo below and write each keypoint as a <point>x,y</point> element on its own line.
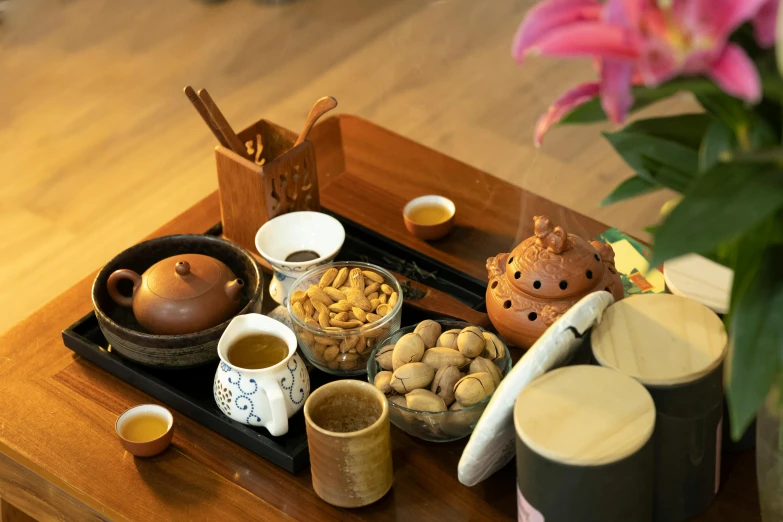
<point>644,41</point>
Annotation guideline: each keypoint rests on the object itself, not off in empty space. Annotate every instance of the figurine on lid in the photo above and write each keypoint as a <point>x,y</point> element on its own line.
<point>543,277</point>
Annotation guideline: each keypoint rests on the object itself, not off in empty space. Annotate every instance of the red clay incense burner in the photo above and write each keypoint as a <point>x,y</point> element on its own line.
<point>543,277</point>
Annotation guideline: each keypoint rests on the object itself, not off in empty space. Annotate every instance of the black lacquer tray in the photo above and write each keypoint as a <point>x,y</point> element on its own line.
<point>189,391</point>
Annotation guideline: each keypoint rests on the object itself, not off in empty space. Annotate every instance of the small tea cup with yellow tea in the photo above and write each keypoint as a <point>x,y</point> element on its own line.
<point>429,217</point>
<point>261,381</point>
<point>145,430</point>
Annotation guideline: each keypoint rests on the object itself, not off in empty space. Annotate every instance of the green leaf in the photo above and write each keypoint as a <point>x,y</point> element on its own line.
<point>592,112</point>
<point>630,188</point>
<point>718,139</point>
<point>685,129</point>
<point>655,159</point>
<point>721,205</point>
<point>754,360</point>
<point>750,129</point>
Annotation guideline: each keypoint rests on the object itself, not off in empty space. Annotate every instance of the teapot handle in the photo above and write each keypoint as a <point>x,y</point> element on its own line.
<point>115,278</point>
<point>278,424</point>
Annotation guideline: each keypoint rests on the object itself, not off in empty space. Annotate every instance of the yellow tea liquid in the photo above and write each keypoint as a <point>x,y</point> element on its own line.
<point>145,428</point>
<point>257,351</point>
<point>429,214</point>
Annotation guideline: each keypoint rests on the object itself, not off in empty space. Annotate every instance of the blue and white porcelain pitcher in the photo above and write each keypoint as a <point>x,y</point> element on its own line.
<point>264,397</point>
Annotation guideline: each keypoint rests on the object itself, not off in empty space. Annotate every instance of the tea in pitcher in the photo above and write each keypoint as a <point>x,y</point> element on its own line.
<point>257,351</point>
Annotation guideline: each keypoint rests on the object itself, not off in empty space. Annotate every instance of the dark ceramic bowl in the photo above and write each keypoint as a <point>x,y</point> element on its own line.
<point>129,339</point>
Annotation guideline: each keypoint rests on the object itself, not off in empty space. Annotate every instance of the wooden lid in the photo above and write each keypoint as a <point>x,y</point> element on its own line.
<point>584,415</point>
<point>660,339</point>
<point>700,279</point>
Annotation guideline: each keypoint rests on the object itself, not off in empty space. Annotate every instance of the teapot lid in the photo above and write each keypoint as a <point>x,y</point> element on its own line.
<point>553,264</point>
<point>185,276</point>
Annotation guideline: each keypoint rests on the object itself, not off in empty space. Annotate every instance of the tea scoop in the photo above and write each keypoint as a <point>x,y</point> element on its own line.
<point>321,107</point>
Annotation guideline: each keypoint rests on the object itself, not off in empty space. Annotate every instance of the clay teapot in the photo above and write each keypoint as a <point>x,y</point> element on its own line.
<point>543,277</point>
<point>181,294</point>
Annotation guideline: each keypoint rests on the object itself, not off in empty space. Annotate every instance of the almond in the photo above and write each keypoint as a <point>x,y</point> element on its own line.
<point>298,297</point>
<point>327,278</point>
<point>386,289</point>
<point>340,278</point>
<point>356,278</point>
<point>373,276</point>
<point>316,294</point>
<point>334,294</point>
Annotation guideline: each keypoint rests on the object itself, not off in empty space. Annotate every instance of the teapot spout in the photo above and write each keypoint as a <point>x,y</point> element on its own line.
<point>234,289</point>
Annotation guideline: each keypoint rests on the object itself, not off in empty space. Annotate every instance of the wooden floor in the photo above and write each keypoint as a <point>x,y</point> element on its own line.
<point>100,146</point>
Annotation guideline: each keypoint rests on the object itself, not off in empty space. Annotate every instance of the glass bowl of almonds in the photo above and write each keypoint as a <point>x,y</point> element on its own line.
<point>340,311</point>
<point>438,376</point>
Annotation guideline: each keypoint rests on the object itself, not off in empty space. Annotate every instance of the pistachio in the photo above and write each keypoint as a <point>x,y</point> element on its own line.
<point>443,383</point>
<point>473,388</point>
<point>411,376</point>
<point>408,348</point>
<point>441,357</point>
<point>470,342</point>
<point>448,339</point>
<point>480,364</point>
<point>493,347</point>
<point>429,331</point>
<point>424,400</point>
<point>383,381</point>
<point>384,357</point>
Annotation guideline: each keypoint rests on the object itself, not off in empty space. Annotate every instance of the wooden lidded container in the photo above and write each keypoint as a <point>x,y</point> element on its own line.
<point>252,194</point>
<point>675,347</point>
<point>584,447</point>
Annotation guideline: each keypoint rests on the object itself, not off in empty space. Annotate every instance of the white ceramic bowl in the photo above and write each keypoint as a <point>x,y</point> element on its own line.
<point>295,232</point>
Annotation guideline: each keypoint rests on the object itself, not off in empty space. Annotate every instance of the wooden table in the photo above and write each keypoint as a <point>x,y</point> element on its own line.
<point>59,456</point>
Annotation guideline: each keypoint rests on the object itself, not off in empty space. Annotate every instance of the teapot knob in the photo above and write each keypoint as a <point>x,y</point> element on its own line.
<point>182,268</point>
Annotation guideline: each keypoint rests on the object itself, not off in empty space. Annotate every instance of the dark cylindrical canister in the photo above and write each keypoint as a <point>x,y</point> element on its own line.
<point>675,347</point>
<point>584,447</point>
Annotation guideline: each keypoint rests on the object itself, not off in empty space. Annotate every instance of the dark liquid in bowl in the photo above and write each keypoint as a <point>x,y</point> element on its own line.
<point>301,256</point>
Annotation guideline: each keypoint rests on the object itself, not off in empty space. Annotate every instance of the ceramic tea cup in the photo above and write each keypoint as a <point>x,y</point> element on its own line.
<point>265,397</point>
<point>294,243</point>
<point>349,439</point>
<point>145,441</point>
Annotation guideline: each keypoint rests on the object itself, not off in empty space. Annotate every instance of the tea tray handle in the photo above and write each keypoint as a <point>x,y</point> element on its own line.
<point>113,281</point>
<point>278,424</point>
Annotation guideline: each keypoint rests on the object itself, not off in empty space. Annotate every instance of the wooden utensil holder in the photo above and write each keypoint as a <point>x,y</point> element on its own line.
<point>252,194</point>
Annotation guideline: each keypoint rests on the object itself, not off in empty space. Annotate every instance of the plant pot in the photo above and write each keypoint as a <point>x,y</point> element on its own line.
<point>769,457</point>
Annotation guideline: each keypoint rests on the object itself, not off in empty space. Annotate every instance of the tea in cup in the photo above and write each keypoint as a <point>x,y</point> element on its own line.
<point>294,243</point>
<point>261,381</point>
<point>349,439</point>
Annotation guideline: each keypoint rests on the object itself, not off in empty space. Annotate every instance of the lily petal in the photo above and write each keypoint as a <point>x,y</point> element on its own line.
<point>571,99</point>
<point>764,23</point>
<point>736,74</point>
<point>623,12</point>
<point>548,16</point>
<point>616,95</point>
<point>588,39</point>
<point>718,18</point>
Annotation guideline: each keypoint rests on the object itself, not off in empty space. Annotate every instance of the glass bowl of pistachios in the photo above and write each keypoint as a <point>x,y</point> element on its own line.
<point>438,376</point>
<point>340,311</point>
